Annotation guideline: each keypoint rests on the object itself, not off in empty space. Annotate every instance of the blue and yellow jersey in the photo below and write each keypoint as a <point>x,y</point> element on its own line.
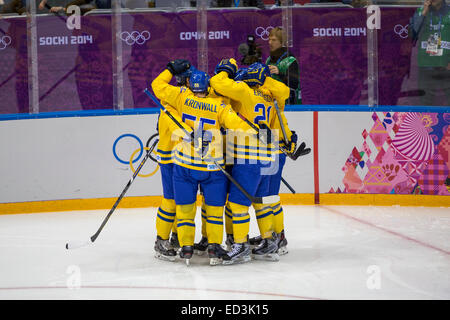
<point>199,114</point>
<point>167,141</point>
<point>279,92</point>
<point>254,104</point>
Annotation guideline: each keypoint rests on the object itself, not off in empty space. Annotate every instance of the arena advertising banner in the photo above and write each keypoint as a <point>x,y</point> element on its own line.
<point>75,68</point>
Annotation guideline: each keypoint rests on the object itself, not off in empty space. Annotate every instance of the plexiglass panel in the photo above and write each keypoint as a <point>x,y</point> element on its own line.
<point>59,55</point>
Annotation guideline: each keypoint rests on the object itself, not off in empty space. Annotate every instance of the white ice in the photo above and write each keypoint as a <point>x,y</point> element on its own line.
<point>335,252</point>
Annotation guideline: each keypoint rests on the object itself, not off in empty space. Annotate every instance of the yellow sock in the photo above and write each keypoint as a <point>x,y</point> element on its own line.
<point>264,219</point>
<point>278,217</point>
<point>186,224</point>
<point>241,222</point>
<point>174,226</point>
<point>214,225</point>
<point>165,218</point>
<point>228,220</point>
<point>204,216</point>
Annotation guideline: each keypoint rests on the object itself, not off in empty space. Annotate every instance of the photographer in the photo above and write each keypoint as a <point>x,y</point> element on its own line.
<point>250,51</point>
<point>283,65</point>
<point>430,28</point>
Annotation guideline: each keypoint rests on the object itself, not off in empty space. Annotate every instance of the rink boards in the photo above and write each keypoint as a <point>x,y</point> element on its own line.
<point>69,163</point>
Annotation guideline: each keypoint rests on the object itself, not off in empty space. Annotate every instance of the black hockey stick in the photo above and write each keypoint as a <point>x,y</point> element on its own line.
<point>283,150</point>
<point>268,199</point>
<point>156,135</point>
<point>251,124</point>
<point>78,244</point>
<point>302,150</point>
<point>288,185</point>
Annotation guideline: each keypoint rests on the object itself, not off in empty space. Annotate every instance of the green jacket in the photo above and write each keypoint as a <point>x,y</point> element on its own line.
<point>289,72</point>
<point>435,22</point>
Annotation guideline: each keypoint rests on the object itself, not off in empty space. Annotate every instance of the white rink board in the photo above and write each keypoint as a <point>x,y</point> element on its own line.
<point>72,158</point>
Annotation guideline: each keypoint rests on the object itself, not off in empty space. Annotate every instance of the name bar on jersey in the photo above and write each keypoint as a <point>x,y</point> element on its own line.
<point>200,105</point>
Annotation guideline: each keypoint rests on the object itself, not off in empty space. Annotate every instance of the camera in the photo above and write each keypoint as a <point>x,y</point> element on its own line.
<point>250,51</point>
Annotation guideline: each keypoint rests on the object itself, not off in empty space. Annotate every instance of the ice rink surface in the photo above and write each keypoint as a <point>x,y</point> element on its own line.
<point>335,252</point>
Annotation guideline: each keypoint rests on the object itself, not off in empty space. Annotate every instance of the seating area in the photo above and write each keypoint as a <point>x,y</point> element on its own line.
<point>10,8</point>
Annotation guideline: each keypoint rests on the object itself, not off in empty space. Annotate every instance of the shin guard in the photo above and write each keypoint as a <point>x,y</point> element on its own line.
<point>165,218</point>
<point>278,217</point>
<point>264,217</point>
<point>214,224</point>
<point>186,224</point>
<point>241,222</point>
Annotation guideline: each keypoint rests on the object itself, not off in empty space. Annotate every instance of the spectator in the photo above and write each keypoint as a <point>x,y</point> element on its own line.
<point>430,26</point>
<point>283,64</point>
<point>359,3</point>
<point>15,6</point>
<point>279,3</point>
<point>254,3</point>
<point>222,3</point>
<point>241,3</point>
<point>99,4</point>
<point>327,1</point>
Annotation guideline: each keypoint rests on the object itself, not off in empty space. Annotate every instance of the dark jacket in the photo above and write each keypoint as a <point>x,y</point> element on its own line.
<point>289,72</point>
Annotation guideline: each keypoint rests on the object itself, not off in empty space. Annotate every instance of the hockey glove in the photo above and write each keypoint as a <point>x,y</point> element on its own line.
<point>201,144</point>
<point>264,134</point>
<point>227,65</point>
<point>292,145</point>
<point>178,66</point>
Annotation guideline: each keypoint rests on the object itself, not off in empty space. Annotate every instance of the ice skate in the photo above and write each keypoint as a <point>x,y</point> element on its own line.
<point>164,250</point>
<point>267,250</point>
<point>186,253</point>
<point>255,241</point>
<point>174,242</point>
<point>282,244</point>
<point>200,247</point>
<point>216,254</point>
<point>229,241</point>
<point>240,253</point>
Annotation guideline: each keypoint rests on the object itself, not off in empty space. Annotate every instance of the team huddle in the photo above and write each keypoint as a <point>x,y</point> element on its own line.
<point>221,136</point>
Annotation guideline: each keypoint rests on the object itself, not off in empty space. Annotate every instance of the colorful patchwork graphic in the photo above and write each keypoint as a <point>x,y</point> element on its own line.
<point>403,153</point>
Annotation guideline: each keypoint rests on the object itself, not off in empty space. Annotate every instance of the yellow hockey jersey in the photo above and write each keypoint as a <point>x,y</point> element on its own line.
<point>256,105</point>
<point>202,114</point>
<point>280,92</point>
<point>167,140</point>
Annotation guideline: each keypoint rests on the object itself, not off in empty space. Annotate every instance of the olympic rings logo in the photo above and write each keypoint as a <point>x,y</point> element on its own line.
<point>135,37</point>
<point>263,33</point>
<point>4,42</point>
<point>133,158</point>
<point>401,31</point>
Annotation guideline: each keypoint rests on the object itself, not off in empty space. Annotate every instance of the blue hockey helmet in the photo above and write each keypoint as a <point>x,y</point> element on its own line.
<point>254,75</point>
<point>183,77</point>
<point>199,81</point>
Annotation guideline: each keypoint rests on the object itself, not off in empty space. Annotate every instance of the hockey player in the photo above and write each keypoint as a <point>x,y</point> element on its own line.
<point>253,165</point>
<point>197,165</point>
<point>165,219</point>
<point>289,144</point>
<point>201,247</point>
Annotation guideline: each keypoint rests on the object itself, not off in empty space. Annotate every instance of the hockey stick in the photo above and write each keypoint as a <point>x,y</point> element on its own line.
<point>251,124</point>
<point>284,151</point>
<point>288,185</point>
<point>283,130</point>
<point>148,143</point>
<point>263,200</point>
<point>78,244</point>
<point>301,150</point>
